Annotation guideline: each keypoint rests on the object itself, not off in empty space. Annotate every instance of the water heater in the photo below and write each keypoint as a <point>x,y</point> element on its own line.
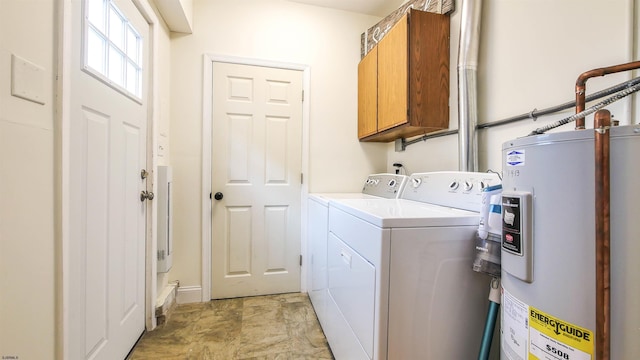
<point>548,246</point>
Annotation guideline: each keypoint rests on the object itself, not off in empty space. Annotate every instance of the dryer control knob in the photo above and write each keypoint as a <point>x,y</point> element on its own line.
<point>468,186</point>
<point>454,185</point>
<point>392,183</point>
<point>415,182</point>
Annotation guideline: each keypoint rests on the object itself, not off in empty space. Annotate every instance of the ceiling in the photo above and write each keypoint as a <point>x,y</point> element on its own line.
<point>379,8</point>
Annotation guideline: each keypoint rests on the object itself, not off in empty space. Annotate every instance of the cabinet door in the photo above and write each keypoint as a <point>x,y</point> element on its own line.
<point>392,77</point>
<point>368,94</point>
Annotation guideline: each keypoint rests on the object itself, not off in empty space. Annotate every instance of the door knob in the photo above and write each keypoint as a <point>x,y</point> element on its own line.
<point>218,196</point>
<point>143,174</point>
<point>146,195</point>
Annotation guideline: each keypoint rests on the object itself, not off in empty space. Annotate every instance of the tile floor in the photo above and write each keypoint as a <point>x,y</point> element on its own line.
<point>274,327</point>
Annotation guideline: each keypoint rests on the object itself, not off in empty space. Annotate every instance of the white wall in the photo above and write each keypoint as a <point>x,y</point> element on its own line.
<point>27,253</point>
<point>531,53</point>
<point>328,41</point>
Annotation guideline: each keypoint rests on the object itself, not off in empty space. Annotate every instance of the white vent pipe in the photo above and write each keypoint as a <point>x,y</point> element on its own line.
<point>467,85</point>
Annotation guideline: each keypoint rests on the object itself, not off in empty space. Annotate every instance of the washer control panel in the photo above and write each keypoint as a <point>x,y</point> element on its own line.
<point>458,189</point>
<point>388,186</point>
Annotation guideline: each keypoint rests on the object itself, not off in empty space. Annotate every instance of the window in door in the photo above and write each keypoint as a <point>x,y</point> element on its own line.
<point>112,48</point>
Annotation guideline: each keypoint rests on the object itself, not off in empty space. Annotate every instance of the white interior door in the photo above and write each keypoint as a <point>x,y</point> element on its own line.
<point>105,306</point>
<point>256,167</point>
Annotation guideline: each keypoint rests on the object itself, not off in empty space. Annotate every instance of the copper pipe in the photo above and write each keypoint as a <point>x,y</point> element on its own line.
<point>581,84</point>
<point>601,126</point>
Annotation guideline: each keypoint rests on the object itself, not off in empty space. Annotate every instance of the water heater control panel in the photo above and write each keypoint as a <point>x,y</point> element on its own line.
<point>517,239</point>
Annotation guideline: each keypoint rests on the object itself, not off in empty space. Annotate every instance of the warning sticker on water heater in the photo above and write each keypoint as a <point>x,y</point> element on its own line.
<point>515,158</point>
<point>514,328</point>
<point>551,338</point>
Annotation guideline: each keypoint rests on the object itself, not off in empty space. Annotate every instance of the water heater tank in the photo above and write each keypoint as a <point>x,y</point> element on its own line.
<point>548,246</point>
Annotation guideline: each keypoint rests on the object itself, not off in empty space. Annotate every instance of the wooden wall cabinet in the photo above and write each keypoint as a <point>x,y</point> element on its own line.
<point>403,82</point>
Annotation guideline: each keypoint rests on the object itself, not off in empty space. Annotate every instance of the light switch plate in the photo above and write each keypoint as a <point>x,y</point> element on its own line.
<point>27,80</point>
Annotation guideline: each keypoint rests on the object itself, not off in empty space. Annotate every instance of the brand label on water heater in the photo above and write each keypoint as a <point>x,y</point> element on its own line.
<point>515,158</point>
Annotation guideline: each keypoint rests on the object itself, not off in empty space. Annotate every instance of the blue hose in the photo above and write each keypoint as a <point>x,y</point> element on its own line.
<point>487,336</point>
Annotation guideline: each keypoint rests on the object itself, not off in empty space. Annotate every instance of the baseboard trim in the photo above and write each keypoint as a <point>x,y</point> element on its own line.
<point>166,303</point>
<point>189,294</point>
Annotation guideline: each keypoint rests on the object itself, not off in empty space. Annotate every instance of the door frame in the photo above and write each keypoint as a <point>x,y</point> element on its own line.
<point>207,126</point>
<point>62,176</point>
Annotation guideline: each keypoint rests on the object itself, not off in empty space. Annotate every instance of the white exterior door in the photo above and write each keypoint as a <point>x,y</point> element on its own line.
<point>256,167</point>
<point>105,306</point>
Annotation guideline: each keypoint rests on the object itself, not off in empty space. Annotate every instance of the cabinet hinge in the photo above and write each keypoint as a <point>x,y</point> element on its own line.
<point>300,260</point>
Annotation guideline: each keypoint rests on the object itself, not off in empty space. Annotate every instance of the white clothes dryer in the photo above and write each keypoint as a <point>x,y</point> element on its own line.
<point>375,186</point>
<point>401,284</point>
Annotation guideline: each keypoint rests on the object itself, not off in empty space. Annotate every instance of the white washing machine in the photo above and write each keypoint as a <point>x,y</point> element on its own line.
<point>375,186</point>
<point>401,284</point>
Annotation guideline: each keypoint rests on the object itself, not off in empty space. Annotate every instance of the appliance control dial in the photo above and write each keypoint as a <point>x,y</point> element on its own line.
<point>468,186</point>
<point>392,183</point>
<point>415,182</point>
<point>482,185</point>
<point>454,185</point>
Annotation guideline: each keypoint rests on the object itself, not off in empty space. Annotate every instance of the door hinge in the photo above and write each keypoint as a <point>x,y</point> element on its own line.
<point>301,178</point>
<point>302,95</point>
<point>161,255</point>
<point>300,260</point>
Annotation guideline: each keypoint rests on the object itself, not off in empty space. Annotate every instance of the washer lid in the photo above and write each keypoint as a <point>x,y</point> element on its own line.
<point>401,213</point>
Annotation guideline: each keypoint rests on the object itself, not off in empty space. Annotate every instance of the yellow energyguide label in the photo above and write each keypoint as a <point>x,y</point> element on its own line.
<point>551,338</point>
